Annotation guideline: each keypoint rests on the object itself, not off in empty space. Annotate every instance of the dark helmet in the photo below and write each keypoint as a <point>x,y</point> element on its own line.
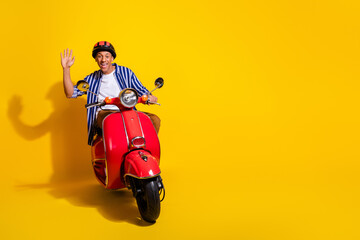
<point>103,46</point>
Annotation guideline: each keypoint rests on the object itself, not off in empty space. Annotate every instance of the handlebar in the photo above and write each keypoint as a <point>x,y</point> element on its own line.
<point>95,104</point>
<point>148,102</point>
<point>116,101</point>
<point>145,100</point>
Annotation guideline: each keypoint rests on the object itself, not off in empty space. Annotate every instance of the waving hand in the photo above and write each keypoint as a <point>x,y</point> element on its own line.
<point>67,59</point>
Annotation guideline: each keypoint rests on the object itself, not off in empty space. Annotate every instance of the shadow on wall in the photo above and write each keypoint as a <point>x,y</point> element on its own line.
<point>67,128</point>
<point>73,177</point>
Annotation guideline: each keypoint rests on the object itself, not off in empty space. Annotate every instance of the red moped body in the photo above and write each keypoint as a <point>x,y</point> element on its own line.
<point>129,146</point>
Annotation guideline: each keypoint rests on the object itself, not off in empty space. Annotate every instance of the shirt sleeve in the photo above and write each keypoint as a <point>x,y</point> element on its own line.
<point>77,92</point>
<point>135,83</point>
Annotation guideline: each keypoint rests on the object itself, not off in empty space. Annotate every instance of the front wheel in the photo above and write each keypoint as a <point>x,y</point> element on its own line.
<point>147,196</point>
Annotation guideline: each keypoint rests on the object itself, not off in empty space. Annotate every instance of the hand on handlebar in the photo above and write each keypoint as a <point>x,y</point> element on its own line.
<point>149,99</point>
<point>152,99</point>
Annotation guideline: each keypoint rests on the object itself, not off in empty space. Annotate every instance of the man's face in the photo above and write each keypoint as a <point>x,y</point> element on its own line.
<point>104,60</point>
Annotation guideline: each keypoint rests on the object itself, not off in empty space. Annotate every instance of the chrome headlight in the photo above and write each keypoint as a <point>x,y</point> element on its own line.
<point>128,97</point>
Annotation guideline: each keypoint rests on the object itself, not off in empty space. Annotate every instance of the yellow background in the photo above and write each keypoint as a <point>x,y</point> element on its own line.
<point>260,118</point>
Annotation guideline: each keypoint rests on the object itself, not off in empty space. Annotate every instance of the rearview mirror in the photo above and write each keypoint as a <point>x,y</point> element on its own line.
<point>159,82</point>
<point>83,86</point>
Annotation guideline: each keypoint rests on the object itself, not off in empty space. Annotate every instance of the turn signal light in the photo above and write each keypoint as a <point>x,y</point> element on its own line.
<point>144,98</point>
<point>108,100</point>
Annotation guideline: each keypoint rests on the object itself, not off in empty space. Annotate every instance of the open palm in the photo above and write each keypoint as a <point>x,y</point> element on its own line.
<point>67,59</point>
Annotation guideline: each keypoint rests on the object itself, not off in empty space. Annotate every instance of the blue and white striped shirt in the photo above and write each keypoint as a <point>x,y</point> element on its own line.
<point>125,78</point>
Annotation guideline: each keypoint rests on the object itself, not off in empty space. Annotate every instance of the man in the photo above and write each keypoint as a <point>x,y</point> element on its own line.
<point>106,82</point>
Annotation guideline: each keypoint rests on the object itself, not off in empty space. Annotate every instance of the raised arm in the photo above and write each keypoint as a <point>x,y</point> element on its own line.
<point>67,60</point>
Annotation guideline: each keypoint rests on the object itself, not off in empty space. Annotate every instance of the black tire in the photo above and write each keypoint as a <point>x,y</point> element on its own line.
<point>148,199</point>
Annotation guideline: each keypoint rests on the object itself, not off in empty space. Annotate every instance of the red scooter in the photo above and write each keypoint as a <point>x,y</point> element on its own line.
<point>127,152</point>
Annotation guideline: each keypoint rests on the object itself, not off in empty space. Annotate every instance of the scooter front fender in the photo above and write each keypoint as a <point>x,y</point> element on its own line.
<point>141,164</point>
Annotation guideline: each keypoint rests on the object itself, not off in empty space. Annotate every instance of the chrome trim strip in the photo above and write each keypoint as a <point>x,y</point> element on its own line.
<point>127,137</point>
<point>142,132</point>
<point>128,174</point>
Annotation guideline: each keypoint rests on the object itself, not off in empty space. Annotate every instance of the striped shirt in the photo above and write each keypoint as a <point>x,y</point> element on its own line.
<point>125,78</point>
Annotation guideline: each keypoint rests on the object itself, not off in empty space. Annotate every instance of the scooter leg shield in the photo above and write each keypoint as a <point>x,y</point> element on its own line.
<point>141,164</point>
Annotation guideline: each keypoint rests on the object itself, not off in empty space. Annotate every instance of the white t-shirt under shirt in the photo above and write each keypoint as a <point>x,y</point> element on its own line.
<point>108,88</point>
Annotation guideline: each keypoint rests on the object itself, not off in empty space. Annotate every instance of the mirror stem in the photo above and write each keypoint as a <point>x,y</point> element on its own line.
<point>153,89</point>
<point>93,93</point>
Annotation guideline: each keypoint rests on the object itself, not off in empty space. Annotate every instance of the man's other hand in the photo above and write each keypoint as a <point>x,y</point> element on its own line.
<point>152,98</point>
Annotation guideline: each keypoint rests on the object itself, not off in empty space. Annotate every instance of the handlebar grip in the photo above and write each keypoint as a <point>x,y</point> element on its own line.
<point>95,104</point>
<point>89,105</point>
